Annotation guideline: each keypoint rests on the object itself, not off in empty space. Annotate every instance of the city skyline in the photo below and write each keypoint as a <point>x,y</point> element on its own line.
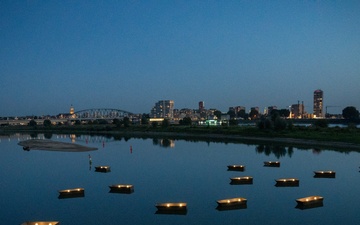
<point>318,108</point>
<point>130,54</point>
<point>166,109</point>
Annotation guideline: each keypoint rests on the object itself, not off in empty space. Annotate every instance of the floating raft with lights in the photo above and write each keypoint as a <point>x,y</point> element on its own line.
<point>272,163</point>
<point>287,182</point>
<point>171,208</point>
<point>236,167</point>
<point>232,203</point>
<point>241,180</point>
<point>103,169</point>
<point>309,202</point>
<point>324,174</point>
<point>121,188</point>
<point>41,223</point>
<point>72,193</point>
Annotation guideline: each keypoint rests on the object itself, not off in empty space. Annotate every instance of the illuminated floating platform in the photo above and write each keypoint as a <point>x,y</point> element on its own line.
<point>324,174</point>
<point>241,180</point>
<point>72,193</point>
<point>121,188</point>
<point>41,223</point>
<point>236,167</point>
<point>272,163</point>
<point>309,202</point>
<point>287,182</point>
<point>171,208</point>
<point>232,203</point>
<point>103,169</point>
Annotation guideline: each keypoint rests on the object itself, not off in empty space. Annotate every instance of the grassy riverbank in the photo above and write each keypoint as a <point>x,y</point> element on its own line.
<point>335,136</point>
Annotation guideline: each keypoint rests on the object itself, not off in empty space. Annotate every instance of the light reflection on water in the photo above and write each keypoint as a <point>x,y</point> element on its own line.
<point>180,171</point>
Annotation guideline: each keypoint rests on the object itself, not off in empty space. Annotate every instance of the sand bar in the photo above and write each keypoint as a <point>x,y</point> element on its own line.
<point>49,145</point>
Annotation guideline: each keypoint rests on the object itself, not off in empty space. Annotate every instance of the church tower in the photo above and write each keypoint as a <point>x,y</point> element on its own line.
<point>72,110</point>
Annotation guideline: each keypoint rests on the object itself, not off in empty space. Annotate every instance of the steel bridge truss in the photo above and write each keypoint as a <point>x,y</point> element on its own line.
<point>102,114</point>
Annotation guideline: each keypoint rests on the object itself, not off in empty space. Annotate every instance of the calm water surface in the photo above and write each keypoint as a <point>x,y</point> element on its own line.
<point>192,172</point>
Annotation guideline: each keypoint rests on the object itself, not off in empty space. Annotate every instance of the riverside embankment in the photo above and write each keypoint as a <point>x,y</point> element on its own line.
<point>329,138</point>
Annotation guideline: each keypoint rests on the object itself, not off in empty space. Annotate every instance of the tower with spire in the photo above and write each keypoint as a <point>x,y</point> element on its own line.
<point>72,110</point>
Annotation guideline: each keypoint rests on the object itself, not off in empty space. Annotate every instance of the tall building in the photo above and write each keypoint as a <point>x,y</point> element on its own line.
<point>238,108</point>
<point>254,112</point>
<point>269,109</point>
<point>255,109</point>
<point>297,110</point>
<point>201,106</point>
<point>318,103</point>
<point>163,109</point>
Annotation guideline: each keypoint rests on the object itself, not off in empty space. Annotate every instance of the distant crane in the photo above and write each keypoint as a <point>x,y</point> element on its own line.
<point>330,106</point>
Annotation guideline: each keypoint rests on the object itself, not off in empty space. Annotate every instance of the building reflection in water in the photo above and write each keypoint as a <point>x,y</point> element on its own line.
<point>90,162</point>
<point>73,138</point>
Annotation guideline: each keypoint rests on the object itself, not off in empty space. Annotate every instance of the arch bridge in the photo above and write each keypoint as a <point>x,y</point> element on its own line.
<point>102,113</point>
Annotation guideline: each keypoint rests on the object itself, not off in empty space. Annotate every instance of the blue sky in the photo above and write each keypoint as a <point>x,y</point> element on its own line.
<point>130,54</point>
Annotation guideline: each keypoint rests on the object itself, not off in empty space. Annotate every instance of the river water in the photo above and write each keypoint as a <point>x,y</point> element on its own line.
<point>173,171</point>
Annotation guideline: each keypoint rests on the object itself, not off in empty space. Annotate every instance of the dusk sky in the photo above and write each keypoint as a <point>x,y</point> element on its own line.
<point>130,54</point>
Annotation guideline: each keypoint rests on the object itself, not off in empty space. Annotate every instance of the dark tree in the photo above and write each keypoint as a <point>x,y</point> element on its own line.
<point>290,125</point>
<point>268,124</point>
<point>261,124</point>
<point>145,119</point>
<point>186,121</point>
<point>77,122</point>
<point>126,122</point>
<point>233,122</point>
<point>274,114</point>
<point>350,113</point>
<point>117,122</point>
<point>47,123</point>
<point>253,114</point>
<point>102,121</point>
<point>232,114</point>
<point>48,135</point>
<point>32,123</point>
<point>34,135</point>
<point>321,123</point>
<point>242,114</point>
<point>284,112</point>
<point>264,124</point>
<point>155,141</point>
<point>279,124</point>
<point>218,113</point>
<point>165,123</point>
